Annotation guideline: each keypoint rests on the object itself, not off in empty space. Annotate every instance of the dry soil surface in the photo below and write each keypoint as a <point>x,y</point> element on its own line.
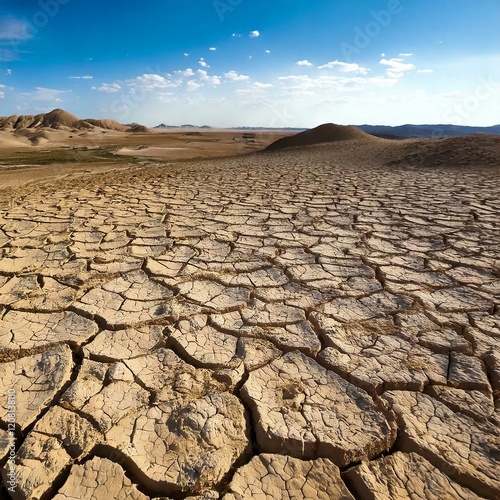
<point>311,323</point>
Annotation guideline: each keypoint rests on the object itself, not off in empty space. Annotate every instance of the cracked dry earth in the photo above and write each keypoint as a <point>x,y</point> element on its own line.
<point>305,324</point>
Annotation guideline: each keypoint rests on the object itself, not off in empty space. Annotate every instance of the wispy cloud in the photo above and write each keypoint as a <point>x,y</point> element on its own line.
<point>267,51</point>
<point>8,55</point>
<point>86,77</point>
<point>254,34</point>
<point>203,63</point>
<point>425,71</point>
<point>212,48</point>
<point>186,54</point>
<point>396,68</point>
<point>8,71</point>
<point>326,82</point>
<point>303,62</point>
<point>344,67</point>
<point>407,54</point>
<point>14,29</point>
<point>235,77</point>
<point>45,94</point>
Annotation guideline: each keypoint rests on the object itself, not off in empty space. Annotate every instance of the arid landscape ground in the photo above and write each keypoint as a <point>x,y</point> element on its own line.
<point>317,320</point>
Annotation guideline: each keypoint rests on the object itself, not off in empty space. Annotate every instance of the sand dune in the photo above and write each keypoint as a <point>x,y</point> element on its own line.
<point>107,124</point>
<point>7,140</point>
<point>328,132</point>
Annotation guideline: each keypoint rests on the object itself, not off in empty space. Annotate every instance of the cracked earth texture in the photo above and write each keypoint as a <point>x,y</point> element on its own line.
<point>306,324</point>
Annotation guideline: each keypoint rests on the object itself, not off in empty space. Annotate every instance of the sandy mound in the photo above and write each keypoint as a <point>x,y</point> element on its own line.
<point>136,127</point>
<point>9,141</point>
<point>61,117</point>
<point>8,121</point>
<point>467,151</point>
<point>38,141</point>
<point>55,119</point>
<point>107,124</point>
<point>83,125</point>
<point>328,132</point>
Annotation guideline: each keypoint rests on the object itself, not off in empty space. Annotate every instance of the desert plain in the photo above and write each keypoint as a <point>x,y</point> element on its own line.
<point>188,314</point>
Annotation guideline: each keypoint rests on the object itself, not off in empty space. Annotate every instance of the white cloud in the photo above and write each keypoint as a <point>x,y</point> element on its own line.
<point>236,35</point>
<point>233,76</point>
<point>408,54</point>
<point>267,51</point>
<point>187,72</point>
<point>396,68</point>
<point>212,48</point>
<point>191,85</point>
<point>108,88</point>
<point>254,34</point>
<point>8,71</point>
<point>260,85</point>
<point>86,77</point>
<point>186,54</point>
<point>206,78</point>
<point>149,82</point>
<point>303,62</point>
<point>344,67</point>
<point>203,63</point>
<point>2,95</point>
<point>424,71</point>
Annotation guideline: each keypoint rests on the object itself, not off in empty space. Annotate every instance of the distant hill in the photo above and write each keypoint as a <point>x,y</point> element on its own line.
<point>187,125</point>
<point>328,132</point>
<point>426,131</point>
<point>60,119</point>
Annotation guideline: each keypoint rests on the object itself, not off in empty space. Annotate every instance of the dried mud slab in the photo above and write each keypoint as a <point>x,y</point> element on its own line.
<point>404,476</point>
<point>40,460</point>
<point>169,378</point>
<point>203,345</point>
<point>27,332</point>
<point>118,345</point>
<point>104,393</point>
<point>467,450</point>
<point>36,380</point>
<point>388,363</point>
<point>303,410</point>
<point>98,479</point>
<point>183,447</point>
<point>270,476</point>
<point>57,439</point>
<point>37,293</point>
<point>131,299</point>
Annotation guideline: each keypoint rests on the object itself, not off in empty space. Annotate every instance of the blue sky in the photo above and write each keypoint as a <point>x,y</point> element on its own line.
<point>276,63</point>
